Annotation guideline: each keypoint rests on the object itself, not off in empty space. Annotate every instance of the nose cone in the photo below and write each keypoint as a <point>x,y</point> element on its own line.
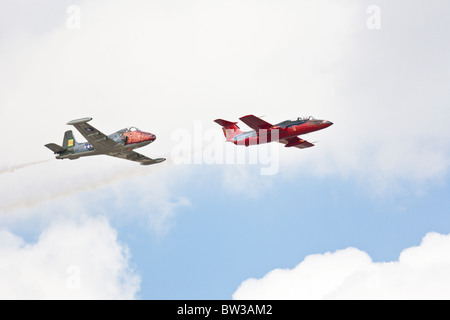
<point>147,136</point>
<point>151,137</point>
<point>327,123</point>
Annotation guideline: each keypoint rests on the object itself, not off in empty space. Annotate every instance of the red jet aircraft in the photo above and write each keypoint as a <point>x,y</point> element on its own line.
<point>285,132</point>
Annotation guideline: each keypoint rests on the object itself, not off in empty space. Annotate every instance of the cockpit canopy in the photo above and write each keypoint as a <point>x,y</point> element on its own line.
<point>298,121</point>
<point>304,118</point>
<point>131,129</point>
<point>126,130</point>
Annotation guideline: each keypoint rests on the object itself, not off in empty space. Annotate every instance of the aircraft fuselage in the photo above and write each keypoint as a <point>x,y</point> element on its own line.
<point>126,141</point>
<point>282,130</point>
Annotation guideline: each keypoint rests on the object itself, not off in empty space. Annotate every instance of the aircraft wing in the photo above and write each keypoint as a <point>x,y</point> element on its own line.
<point>255,123</point>
<point>134,156</point>
<point>296,142</point>
<point>97,139</point>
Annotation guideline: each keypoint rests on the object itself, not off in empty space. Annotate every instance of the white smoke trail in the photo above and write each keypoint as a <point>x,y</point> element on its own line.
<point>36,196</point>
<point>11,169</point>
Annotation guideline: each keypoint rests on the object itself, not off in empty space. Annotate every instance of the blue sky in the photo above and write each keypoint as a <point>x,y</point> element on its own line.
<point>376,181</point>
<point>222,238</point>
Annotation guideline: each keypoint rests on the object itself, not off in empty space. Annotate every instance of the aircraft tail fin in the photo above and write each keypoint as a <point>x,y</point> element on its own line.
<point>69,141</point>
<point>230,129</point>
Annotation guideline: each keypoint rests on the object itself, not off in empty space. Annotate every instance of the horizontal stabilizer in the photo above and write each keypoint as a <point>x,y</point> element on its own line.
<point>55,148</point>
<point>230,129</point>
<point>226,124</point>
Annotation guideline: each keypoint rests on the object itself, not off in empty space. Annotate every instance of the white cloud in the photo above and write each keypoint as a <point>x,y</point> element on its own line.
<point>149,198</point>
<point>72,259</point>
<point>162,68</point>
<point>420,273</point>
<point>142,64</point>
<point>143,193</point>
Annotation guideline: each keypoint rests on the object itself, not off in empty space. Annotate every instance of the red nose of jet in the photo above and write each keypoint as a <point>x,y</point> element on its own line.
<point>150,136</point>
<point>146,136</point>
<point>326,123</point>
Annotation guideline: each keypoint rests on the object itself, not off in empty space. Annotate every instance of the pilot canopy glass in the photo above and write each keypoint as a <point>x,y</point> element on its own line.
<point>131,129</point>
<point>295,122</point>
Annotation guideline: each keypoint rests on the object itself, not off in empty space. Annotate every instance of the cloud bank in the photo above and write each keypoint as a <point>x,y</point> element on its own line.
<point>421,272</point>
<point>76,259</point>
<point>162,69</point>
